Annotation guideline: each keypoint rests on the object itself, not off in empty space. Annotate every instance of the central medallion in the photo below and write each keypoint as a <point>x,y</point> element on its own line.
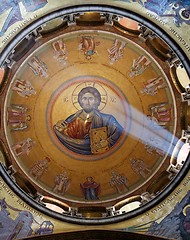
<point>88,125</point>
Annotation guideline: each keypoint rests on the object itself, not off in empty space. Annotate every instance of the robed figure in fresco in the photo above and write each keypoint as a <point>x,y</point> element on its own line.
<point>90,189</point>
<point>88,131</point>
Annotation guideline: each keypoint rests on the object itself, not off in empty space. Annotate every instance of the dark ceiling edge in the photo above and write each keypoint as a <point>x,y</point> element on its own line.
<point>97,235</point>
<point>180,53</point>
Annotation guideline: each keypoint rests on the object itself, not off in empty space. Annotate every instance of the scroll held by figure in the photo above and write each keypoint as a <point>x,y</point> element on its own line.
<point>88,131</point>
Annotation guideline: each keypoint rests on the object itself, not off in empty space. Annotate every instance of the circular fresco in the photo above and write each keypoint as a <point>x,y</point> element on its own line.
<point>88,128</point>
<point>90,117</point>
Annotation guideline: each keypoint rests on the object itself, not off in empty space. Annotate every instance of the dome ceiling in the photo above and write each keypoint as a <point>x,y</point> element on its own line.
<point>93,113</point>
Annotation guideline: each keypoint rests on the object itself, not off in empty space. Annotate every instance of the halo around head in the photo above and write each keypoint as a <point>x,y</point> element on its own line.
<point>94,85</point>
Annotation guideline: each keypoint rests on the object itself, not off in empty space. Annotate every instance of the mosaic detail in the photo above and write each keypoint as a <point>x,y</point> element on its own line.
<point>23,147</point>
<point>139,66</point>
<point>21,226</point>
<point>152,86</point>
<point>90,189</point>
<point>18,117</point>
<point>15,11</point>
<point>73,120</point>
<point>178,218</point>
<point>39,168</point>
<point>60,51</point>
<point>88,46</point>
<point>116,51</point>
<point>38,67</point>
<point>139,167</point>
<point>24,88</point>
<point>88,131</point>
<point>118,182</point>
<point>178,10</point>
<point>62,183</point>
<point>159,114</point>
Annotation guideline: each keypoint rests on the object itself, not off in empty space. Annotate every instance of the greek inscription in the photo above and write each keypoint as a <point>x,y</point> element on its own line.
<point>180,39</point>
<point>4,187</point>
<point>65,99</point>
<point>112,99</point>
<point>156,18</point>
<point>25,206</point>
<point>186,181</point>
<point>167,201</point>
<point>19,27</point>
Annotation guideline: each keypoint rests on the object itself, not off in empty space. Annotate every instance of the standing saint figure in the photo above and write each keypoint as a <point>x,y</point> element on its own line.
<point>139,167</point>
<point>62,183</point>
<point>18,117</point>
<point>38,67</point>
<point>88,131</point>
<point>24,88</point>
<point>119,182</point>
<point>60,51</point>
<point>90,189</point>
<point>139,66</point>
<point>88,46</point>
<point>23,147</point>
<point>39,168</point>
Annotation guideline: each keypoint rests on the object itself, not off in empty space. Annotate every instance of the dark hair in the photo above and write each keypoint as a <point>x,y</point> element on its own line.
<point>91,90</point>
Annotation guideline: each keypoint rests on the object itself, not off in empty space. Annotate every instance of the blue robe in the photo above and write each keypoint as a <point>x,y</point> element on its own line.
<point>82,146</point>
